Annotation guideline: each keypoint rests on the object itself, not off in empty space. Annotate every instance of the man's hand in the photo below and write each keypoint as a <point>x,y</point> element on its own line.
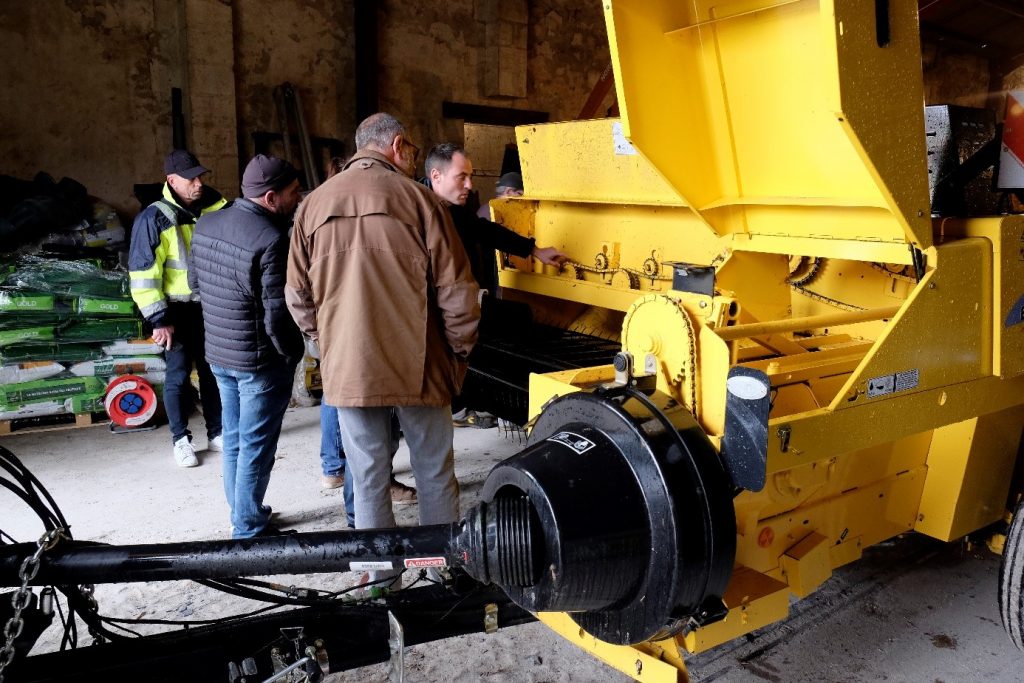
<point>164,336</point>
<point>550,256</point>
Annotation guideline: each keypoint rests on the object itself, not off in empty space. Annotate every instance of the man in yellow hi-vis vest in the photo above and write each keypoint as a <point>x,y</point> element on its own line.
<point>158,263</point>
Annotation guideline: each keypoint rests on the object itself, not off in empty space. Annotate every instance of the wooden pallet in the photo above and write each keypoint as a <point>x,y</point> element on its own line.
<point>52,423</point>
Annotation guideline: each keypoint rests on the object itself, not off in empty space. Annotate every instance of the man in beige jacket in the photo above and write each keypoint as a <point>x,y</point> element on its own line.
<point>378,277</point>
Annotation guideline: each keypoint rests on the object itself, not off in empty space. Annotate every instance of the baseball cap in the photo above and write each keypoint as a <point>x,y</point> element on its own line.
<point>264,174</point>
<point>184,163</point>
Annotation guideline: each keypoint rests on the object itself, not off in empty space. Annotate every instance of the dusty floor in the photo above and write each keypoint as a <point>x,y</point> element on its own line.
<point>912,610</point>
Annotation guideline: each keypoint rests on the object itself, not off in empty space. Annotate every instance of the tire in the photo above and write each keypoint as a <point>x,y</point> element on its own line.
<point>1011,580</point>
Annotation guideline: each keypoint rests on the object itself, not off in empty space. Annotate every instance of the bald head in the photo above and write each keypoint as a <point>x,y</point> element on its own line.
<point>377,131</point>
<point>384,134</point>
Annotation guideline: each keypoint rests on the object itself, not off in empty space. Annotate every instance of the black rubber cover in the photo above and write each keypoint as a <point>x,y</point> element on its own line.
<point>639,531</point>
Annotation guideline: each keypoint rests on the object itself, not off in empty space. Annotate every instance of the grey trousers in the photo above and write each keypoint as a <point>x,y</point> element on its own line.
<point>366,433</point>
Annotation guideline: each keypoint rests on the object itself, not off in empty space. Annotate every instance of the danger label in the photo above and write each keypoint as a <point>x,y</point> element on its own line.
<point>423,562</point>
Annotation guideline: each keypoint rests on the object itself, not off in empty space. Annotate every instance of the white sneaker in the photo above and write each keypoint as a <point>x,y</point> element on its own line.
<point>216,444</point>
<point>185,453</point>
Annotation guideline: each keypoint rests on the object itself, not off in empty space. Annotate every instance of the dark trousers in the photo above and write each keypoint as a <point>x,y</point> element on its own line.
<point>187,351</point>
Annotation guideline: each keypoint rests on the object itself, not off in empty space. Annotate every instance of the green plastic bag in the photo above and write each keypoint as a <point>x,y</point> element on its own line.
<point>100,330</point>
<point>62,353</point>
<point>13,396</point>
<point>26,335</point>
<point>68,278</point>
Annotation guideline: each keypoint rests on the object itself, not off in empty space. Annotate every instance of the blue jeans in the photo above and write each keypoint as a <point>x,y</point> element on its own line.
<point>187,350</point>
<point>253,405</point>
<point>332,456</point>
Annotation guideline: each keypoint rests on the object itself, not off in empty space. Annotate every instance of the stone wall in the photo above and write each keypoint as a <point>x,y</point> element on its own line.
<point>83,95</point>
<point>433,52</point>
<point>88,82</point>
<point>306,43</point>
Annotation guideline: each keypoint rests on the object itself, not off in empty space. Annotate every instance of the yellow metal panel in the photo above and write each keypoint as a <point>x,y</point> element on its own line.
<point>783,136</point>
<point>653,103</point>
<point>880,102</point>
<point>544,387</point>
<point>952,303</point>
<point>762,282</point>
<point>734,115</point>
<point>806,485</point>
<point>807,565</point>
<point>570,289</point>
<point>578,161</point>
<point>1007,237</point>
<point>881,252</point>
<point>626,238</point>
<point>969,469</point>
<point>857,518</point>
<point>629,660</point>
<point>754,600</point>
<point>812,435</point>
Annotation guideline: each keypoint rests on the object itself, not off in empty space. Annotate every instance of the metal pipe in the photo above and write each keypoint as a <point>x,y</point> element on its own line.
<point>807,323</point>
<point>323,552</point>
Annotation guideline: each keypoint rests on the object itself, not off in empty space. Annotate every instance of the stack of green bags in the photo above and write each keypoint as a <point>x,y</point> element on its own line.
<point>57,313</point>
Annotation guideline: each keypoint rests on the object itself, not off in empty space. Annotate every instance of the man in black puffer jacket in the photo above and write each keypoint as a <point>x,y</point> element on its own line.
<point>239,262</point>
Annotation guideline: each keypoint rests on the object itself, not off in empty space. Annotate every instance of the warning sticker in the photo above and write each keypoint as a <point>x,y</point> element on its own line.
<point>623,147</point>
<point>421,562</point>
<point>906,380</point>
<point>578,443</point>
<point>370,566</point>
<point>890,384</point>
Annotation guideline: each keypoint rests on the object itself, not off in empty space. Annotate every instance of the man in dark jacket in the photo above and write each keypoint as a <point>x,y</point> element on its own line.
<point>240,258</point>
<point>450,174</point>
<point>158,264</point>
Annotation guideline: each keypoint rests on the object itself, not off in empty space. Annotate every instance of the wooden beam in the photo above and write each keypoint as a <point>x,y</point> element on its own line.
<point>1003,6</point>
<point>495,116</point>
<point>601,89</point>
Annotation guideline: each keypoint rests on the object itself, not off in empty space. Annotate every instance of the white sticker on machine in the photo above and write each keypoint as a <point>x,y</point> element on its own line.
<point>580,444</point>
<point>891,384</point>
<point>622,145</point>
<point>370,566</point>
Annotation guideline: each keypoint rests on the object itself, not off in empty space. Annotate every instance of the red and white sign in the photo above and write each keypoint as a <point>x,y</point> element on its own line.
<point>1011,153</point>
<point>423,562</point>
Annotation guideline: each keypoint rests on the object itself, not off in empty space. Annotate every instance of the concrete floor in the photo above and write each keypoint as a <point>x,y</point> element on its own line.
<point>911,610</point>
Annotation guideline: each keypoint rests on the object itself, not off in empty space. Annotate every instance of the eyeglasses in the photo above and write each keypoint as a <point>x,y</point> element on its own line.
<point>415,149</point>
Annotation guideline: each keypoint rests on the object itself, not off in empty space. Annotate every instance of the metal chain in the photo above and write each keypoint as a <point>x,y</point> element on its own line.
<point>692,338</point>
<point>827,299</point>
<point>22,597</point>
<point>88,592</point>
<point>633,274</point>
<point>808,277</point>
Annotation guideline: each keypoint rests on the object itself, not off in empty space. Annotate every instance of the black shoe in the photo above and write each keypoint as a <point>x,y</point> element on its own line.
<point>472,418</point>
<point>274,530</point>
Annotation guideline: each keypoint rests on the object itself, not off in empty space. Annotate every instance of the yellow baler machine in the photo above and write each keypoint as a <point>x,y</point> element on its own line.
<point>763,203</point>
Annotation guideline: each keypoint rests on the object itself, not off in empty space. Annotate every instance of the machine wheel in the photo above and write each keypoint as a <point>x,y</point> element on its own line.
<point>1011,580</point>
